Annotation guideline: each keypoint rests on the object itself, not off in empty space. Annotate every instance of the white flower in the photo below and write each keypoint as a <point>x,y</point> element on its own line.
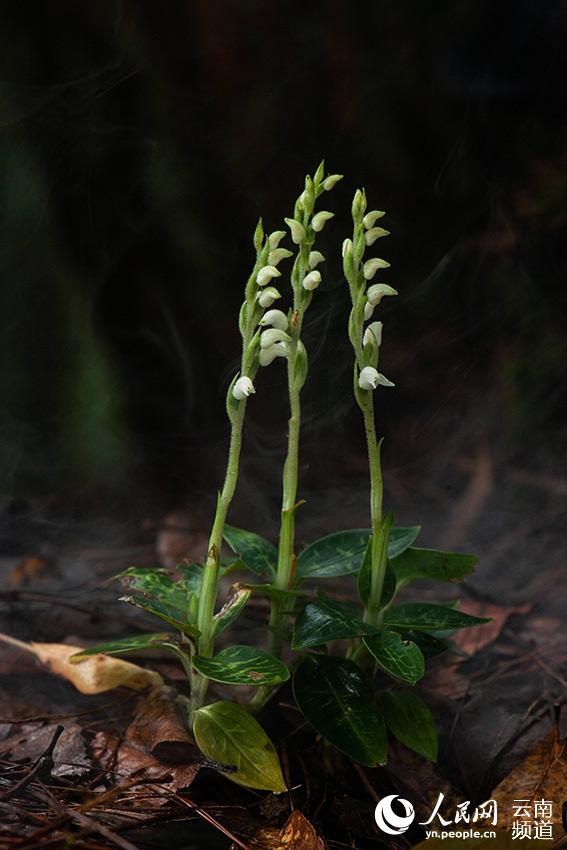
<point>375,233</point>
<point>275,318</point>
<point>268,355</point>
<point>319,220</point>
<point>296,229</point>
<point>265,275</point>
<point>368,310</point>
<point>370,267</point>
<point>275,238</point>
<point>371,218</point>
<point>267,296</point>
<point>331,181</point>
<point>373,334</point>
<point>347,247</point>
<point>377,291</point>
<point>370,378</point>
<point>243,388</point>
<point>315,257</point>
<point>272,335</point>
<point>277,255</point>
<point>311,281</point>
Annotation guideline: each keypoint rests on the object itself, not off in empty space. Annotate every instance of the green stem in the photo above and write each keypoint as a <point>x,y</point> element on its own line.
<point>286,558</point>
<point>209,589</point>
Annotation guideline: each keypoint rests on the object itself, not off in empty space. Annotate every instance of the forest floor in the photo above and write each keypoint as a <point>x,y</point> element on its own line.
<point>119,770</point>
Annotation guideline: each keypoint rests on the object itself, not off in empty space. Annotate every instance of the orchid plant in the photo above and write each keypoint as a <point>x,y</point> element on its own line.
<point>351,664</point>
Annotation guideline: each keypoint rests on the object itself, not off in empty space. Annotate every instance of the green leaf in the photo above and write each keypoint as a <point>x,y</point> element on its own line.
<point>401,538</point>
<point>400,658</point>
<point>431,564</point>
<point>422,616</point>
<point>273,592</point>
<point>227,734</point>
<point>156,592</point>
<point>341,553</point>
<point>325,620</point>
<point>411,721</point>
<point>242,665</point>
<point>166,613</point>
<point>258,554</point>
<point>191,577</point>
<point>231,609</point>
<point>337,698</point>
<point>429,644</point>
<point>129,644</point>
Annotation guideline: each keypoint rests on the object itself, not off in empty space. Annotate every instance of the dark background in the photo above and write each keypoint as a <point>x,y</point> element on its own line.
<point>139,143</point>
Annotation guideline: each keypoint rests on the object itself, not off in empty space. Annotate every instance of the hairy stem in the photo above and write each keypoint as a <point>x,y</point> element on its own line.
<point>209,588</point>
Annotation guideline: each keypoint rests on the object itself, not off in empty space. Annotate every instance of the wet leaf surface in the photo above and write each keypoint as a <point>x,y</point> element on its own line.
<point>228,735</point>
<point>398,657</point>
<point>242,665</point>
<point>258,554</point>
<point>337,698</point>
<point>326,620</point>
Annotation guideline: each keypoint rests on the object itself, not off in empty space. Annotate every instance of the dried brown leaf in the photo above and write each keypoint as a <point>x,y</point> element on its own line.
<point>542,775</point>
<point>297,834</point>
<point>93,675</point>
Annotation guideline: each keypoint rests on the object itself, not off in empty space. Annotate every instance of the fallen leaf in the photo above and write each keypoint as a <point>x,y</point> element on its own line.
<point>93,675</point>
<point>542,775</point>
<point>30,741</point>
<point>158,728</point>
<point>127,761</point>
<point>28,571</point>
<point>476,638</point>
<point>297,834</point>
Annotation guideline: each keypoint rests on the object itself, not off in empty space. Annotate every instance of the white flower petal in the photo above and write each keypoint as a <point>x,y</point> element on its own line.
<point>311,281</point>
<point>320,219</point>
<point>266,274</point>
<point>268,355</point>
<point>377,291</point>
<point>296,229</point>
<point>368,310</point>
<point>275,318</point>
<point>315,257</point>
<point>375,233</point>
<point>272,335</point>
<point>243,388</point>
<point>277,255</point>
<point>373,334</point>
<point>368,378</point>
<point>268,295</point>
<point>275,238</point>
<point>370,267</point>
<point>372,217</point>
<point>331,181</point>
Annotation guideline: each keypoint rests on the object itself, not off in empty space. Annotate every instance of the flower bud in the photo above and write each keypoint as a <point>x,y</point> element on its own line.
<point>277,255</point>
<point>368,310</point>
<point>318,176</point>
<point>370,378</point>
<point>371,218</point>
<point>315,257</point>
<point>271,336</point>
<point>347,247</point>
<point>375,233</point>
<point>267,296</point>
<point>258,235</point>
<point>373,334</point>
<point>308,196</point>
<point>358,205</point>
<point>370,267</point>
<point>275,238</point>
<point>377,291</point>
<point>296,229</point>
<point>265,275</point>
<point>269,354</point>
<point>319,220</point>
<point>311,281</point>
<point>331,181</point>
<point>243,388</point>
<point>275,318</point>
<point>301,201</point>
